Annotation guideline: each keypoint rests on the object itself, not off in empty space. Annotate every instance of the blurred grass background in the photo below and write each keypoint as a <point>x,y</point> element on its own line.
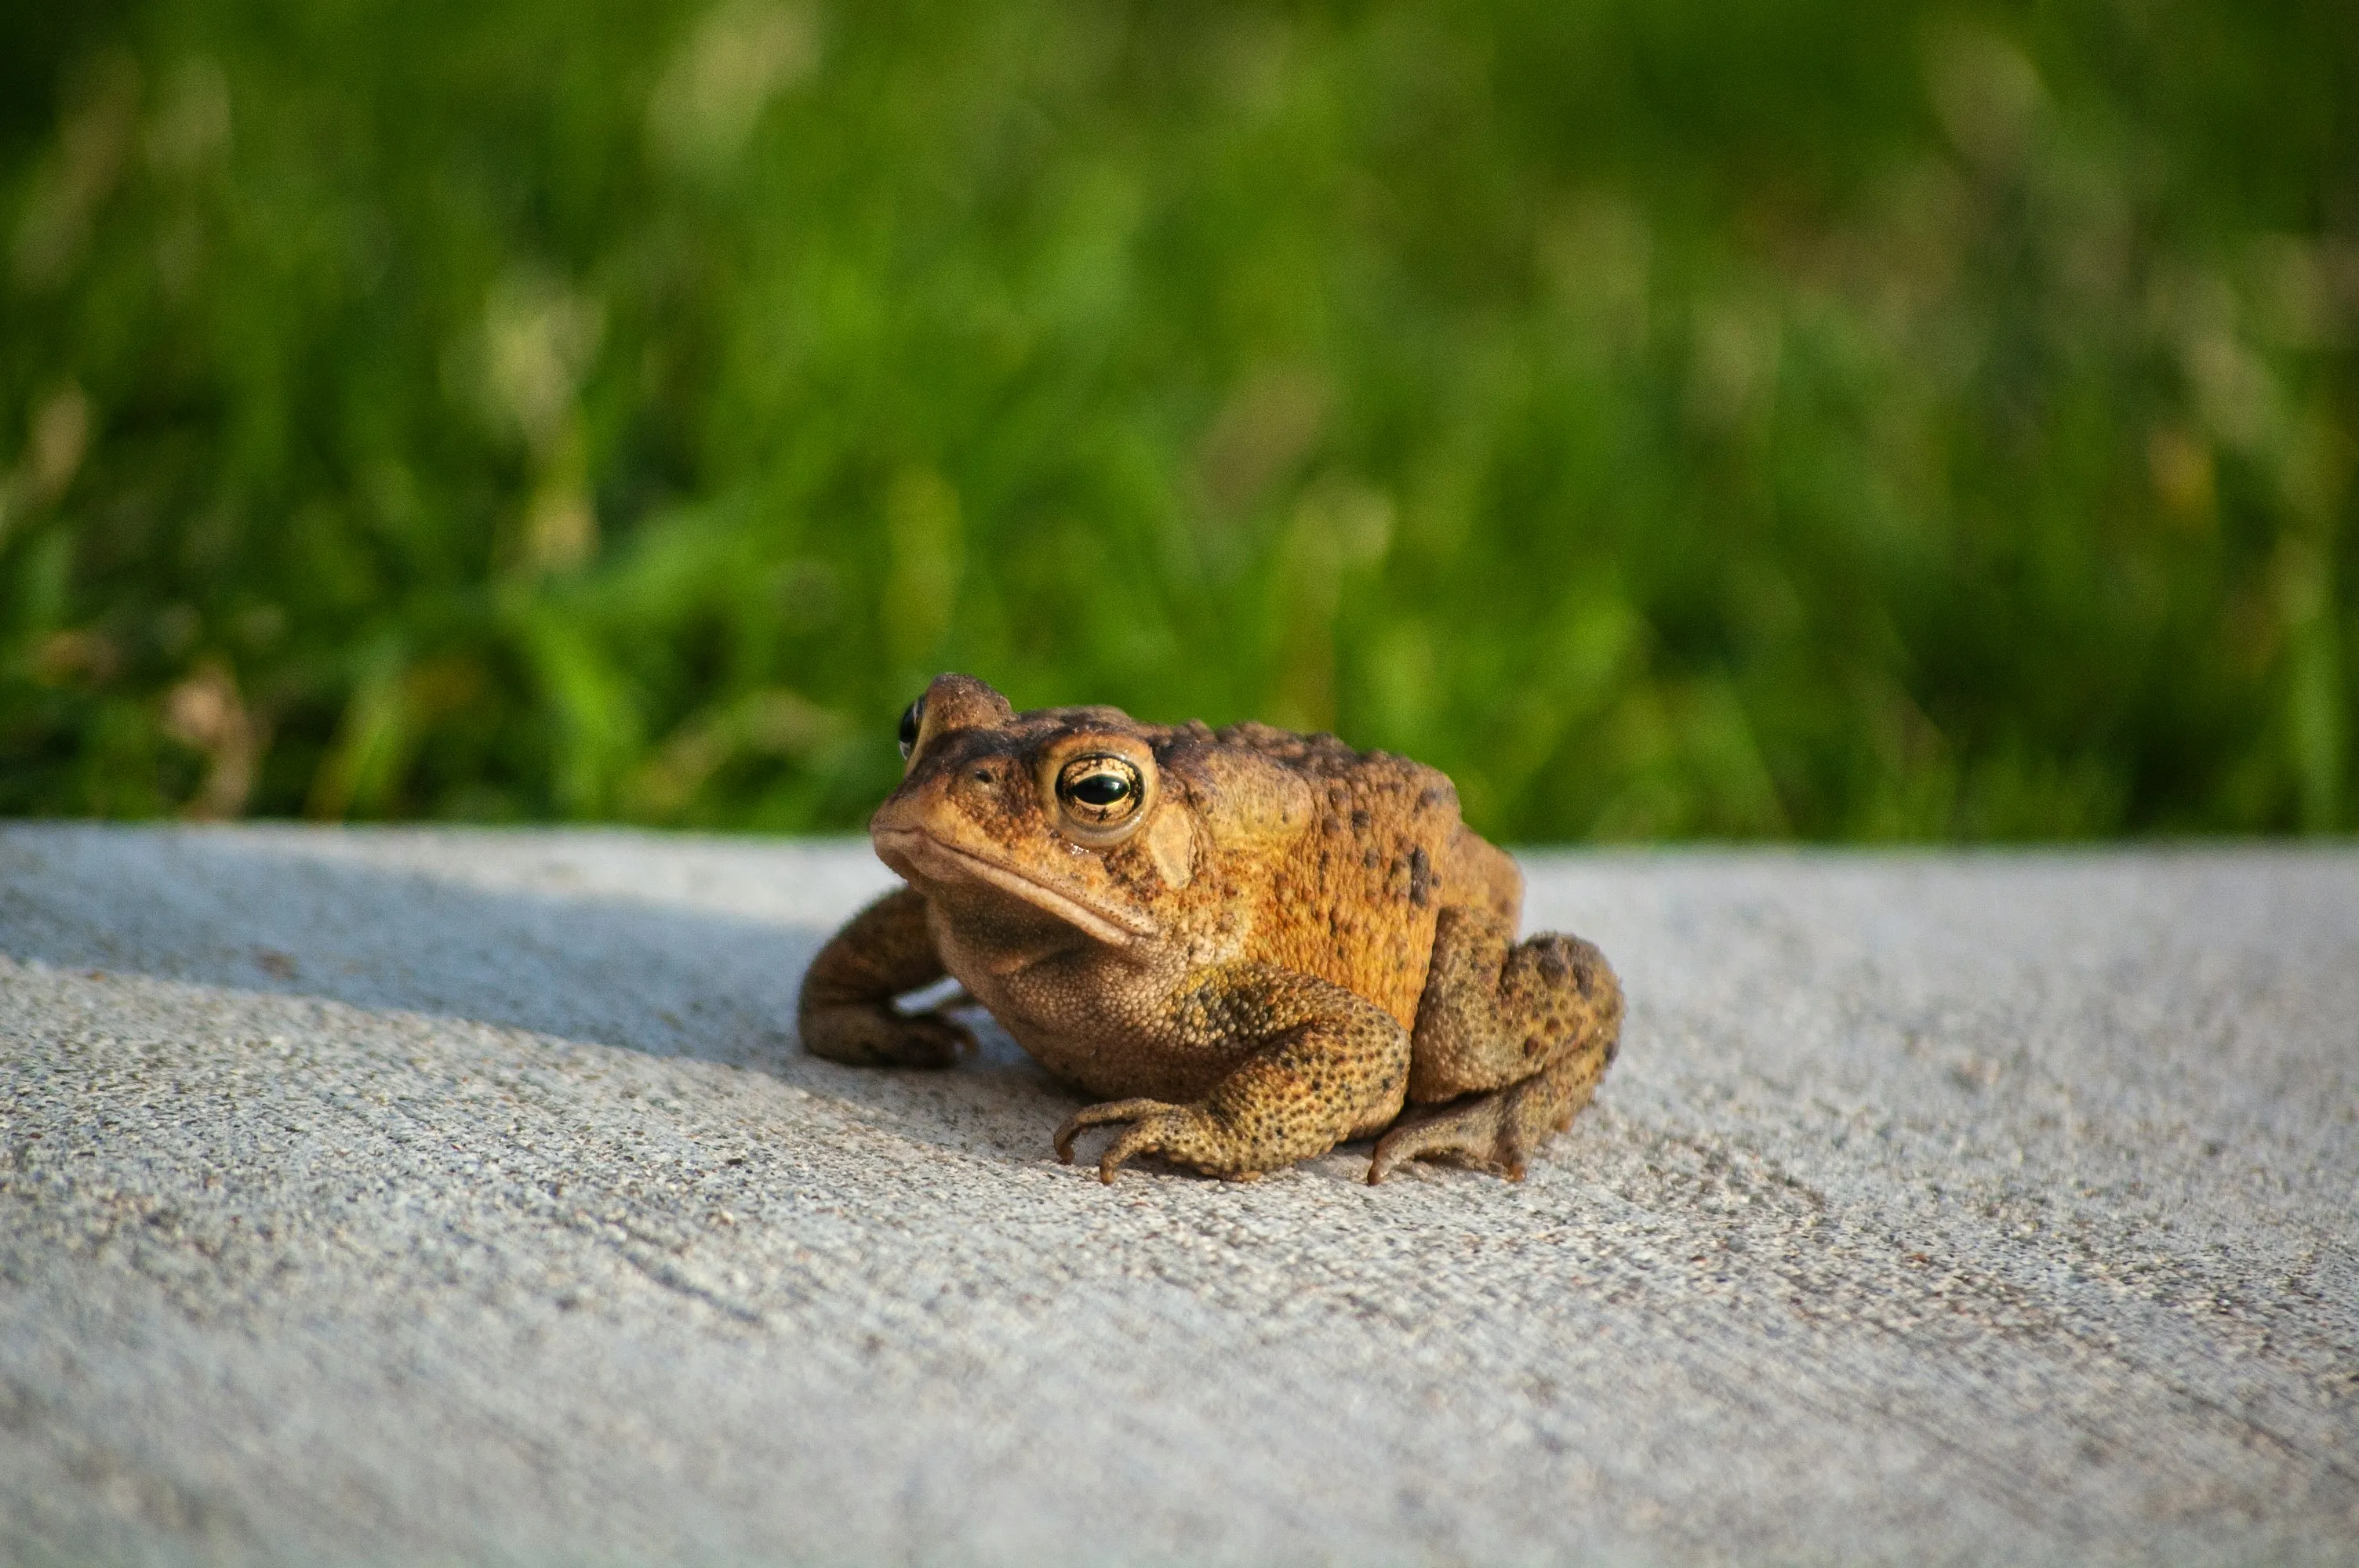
<point>1757,419</point>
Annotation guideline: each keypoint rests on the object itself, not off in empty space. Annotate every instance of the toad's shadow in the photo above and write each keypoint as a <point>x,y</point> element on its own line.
<point>292,911</point>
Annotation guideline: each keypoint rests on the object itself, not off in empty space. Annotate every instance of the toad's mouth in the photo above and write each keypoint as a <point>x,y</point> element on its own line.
<point>920,857</point>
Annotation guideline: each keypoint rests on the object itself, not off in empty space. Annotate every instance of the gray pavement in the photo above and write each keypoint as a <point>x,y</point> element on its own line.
<point>461,1196</point>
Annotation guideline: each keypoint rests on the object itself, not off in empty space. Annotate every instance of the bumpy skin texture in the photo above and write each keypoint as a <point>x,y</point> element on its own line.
<point>1251,944</point>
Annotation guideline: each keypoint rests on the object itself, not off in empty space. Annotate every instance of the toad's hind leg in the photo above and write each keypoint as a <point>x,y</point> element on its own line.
<point>1523,1030</point>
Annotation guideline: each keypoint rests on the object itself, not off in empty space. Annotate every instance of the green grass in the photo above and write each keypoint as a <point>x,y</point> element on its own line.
<point>1847,421</point>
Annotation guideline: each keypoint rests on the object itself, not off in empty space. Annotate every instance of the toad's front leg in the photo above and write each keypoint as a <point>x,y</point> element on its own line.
<point>1326,1065</point>
<point>846,1012</point>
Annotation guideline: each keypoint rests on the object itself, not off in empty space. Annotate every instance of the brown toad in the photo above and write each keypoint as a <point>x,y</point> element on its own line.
<point>1251,944</point>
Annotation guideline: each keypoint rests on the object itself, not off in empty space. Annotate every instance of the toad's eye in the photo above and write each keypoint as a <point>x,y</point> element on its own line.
<point>911,717</point>
<point>1100,790</point>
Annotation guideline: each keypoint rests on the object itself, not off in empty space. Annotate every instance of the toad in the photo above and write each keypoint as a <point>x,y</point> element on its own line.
<point>1247,945</point>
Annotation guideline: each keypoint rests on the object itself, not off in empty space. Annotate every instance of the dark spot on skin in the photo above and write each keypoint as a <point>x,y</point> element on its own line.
<point>1360,821</point>
<point>1420,877</point>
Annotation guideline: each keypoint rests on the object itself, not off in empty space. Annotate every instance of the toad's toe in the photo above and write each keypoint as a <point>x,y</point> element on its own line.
<point>1481,1131</point>
<point>1186,1134</point>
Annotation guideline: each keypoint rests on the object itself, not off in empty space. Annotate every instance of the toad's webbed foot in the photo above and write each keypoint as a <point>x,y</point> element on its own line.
<point>1495,1131</point>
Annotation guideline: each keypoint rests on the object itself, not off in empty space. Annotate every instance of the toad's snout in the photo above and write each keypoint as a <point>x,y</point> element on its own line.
<point>899,815</point>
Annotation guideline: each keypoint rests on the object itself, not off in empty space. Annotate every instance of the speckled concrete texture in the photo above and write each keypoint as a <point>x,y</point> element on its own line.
<point>461,1196</point>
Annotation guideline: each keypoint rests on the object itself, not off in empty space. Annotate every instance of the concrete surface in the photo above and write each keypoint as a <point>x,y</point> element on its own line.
<point>461,1196</point>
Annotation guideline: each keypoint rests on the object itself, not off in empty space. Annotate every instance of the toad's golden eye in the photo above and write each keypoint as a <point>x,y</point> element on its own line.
<point>1101,789</point>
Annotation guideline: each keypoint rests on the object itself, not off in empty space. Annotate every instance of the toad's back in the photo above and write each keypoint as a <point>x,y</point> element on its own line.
<point>1354,899</point>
